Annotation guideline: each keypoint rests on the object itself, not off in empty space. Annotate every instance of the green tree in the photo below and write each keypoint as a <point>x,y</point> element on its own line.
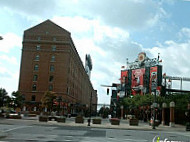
<point>4,98</point>
<point>17,99</point>
<point>47,100</point>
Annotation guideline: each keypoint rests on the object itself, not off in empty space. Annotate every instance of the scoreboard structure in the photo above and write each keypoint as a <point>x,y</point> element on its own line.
<point>143,76</point>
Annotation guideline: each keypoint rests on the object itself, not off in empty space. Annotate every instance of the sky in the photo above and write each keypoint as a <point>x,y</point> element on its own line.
<point>109,30</point>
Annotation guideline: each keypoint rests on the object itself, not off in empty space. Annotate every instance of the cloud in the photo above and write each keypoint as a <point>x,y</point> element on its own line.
<point>124,14</point>
<point>10,60</point>
<point>175,58</point>
<point>10,41</point>
<point>33,7</point>
<point>184,33</point>
<point>108,46</point>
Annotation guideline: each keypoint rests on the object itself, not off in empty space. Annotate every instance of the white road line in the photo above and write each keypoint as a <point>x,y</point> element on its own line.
<point>136,140</point>
<point>16,128</point>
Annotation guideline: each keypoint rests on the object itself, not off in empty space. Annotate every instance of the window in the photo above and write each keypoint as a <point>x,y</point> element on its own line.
<point>36,67</point>
<point>51,78</point>
<point>54,39</point>
<point>53,48</point>
<point>50,87</point>
<point>38,47</point>
<point>33,98</point>
<point>37,58</point>
<point>52,58</point>
<point>35,78</point>
<point>38,38</point>
<point>34,87</point>
<point>52,68</point>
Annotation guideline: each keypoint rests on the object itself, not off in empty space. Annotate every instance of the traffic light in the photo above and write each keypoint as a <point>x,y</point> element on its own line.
<point>107,91</point>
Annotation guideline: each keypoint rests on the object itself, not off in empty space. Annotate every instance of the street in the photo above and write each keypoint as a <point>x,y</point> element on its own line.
<point>32,131</point>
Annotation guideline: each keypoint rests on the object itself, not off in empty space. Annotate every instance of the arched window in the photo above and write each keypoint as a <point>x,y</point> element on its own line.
<point>52,68</point>
<point>34,87</point>
<point>36,67</point>
<point>35,77</point>
<point>38,47</point>
<point>50,87</point>
<point>37,58</point>
<point>33,98</point>
<point>51,78</point>
<point>53,48</point>
<point>52,58</point>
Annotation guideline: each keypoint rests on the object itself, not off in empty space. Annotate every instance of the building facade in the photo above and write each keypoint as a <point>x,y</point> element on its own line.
<point>50,62</point>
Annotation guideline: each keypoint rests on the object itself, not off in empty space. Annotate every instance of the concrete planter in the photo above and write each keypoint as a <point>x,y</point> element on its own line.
<point>50,118</point>
<point>133,122</point>
<point>43,118</point>
<point>79,119</point>
<point>13,116</point>
<point>61,119</point>
<point>96,121</point>
<point>115,121</point>
<point>32,115</point>
<point>2,115</point>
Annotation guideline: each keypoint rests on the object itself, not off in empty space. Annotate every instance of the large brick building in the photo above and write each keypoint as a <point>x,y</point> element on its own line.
<point>50,62</point>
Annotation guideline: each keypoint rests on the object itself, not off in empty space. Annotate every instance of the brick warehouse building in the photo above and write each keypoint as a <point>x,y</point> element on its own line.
<point>50,62</point>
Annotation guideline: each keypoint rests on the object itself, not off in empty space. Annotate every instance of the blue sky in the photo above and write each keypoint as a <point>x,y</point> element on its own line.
<point>110,31</point>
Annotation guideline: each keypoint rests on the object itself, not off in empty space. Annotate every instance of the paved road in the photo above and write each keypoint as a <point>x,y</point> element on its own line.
<point>39,132</point>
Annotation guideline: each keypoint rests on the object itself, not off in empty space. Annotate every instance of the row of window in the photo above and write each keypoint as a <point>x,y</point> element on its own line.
<point>35,78</point>
<point>37,58</point>
<point>53,48</point>
<point>54,39</point>
<point>52,68</point>
<point>34,87</point>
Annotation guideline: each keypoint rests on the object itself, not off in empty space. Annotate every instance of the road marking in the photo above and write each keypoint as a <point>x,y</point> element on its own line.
<point>16,128</point>
<point>136,140</point>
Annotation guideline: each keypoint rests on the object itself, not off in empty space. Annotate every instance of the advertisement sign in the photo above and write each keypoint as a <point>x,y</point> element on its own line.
<point>124,76</point>
<point>137,80</point>
<point>153,78</point>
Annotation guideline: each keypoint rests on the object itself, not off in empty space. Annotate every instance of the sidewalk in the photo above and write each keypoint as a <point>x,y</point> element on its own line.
<point>124,124</point>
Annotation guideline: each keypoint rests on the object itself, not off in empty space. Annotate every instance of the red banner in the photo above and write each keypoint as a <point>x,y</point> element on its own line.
<point>137,80</point>
<point>124,75</point>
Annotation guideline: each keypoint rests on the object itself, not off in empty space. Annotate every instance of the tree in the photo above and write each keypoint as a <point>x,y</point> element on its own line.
<point>17,99</point>
<point>4,98</point>
<point>47,100</point>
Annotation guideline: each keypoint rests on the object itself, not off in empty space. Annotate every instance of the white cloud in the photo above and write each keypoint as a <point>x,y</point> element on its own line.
<point>184,32</point>
<point>10,60</point>
<point>123,14</point>
<point>10,41</point>
<point>175,58</point>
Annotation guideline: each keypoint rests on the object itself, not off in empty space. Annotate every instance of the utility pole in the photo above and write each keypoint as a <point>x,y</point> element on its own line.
<point>154,110</point>
<point>89,120</point>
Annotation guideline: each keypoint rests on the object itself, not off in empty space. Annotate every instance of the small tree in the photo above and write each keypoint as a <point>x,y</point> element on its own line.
<point>4,98</point>
<point>47,100</point>
<point>17,99</point>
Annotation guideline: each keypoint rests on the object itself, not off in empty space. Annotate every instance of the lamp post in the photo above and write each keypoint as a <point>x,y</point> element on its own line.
<point>154,110</point>
<point>89,120</point>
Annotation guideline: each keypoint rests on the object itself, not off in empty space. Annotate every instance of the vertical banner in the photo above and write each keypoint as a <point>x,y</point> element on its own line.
<point>124,76</point>
<point>153,78</point>
<point>137,80</point>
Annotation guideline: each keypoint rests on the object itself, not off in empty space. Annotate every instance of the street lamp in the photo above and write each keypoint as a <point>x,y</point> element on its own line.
<point>154,110</point>
<point>89,120</point>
